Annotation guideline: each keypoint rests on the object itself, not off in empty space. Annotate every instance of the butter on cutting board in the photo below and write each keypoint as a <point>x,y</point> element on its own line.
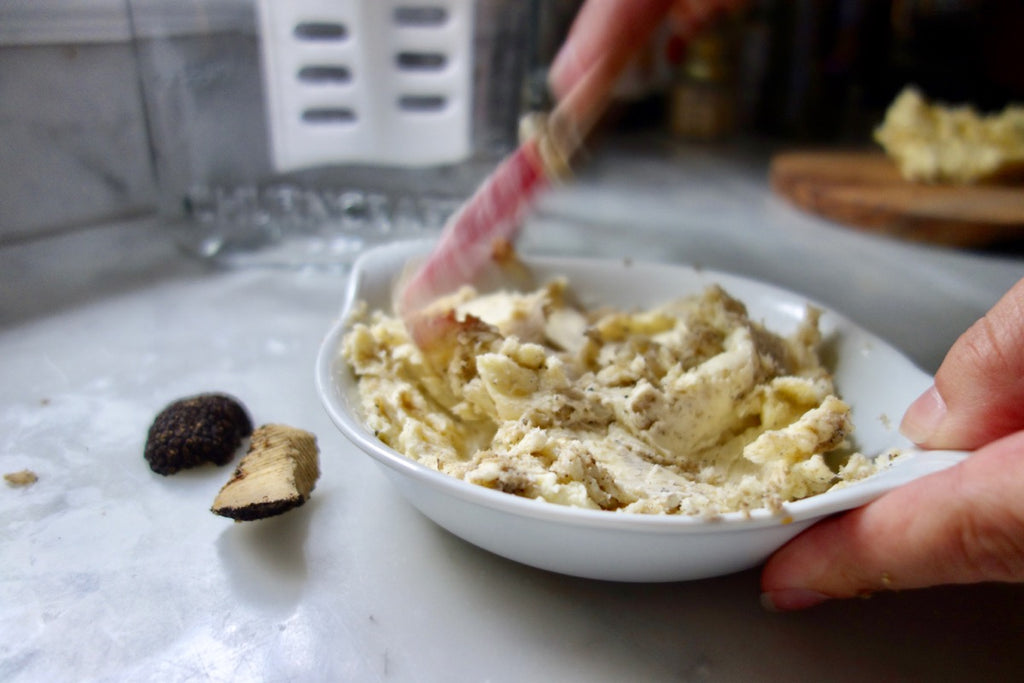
<point>937,143</point>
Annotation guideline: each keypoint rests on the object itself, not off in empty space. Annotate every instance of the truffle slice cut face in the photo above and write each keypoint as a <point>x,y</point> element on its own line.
<point>277,474</point>
<point>195,430</point>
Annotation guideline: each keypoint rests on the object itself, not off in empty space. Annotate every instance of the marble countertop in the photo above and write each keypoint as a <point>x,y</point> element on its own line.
<point>111,572</point>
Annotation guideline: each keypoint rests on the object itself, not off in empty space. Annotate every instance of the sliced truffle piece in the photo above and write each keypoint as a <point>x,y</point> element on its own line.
<point>277,474</point>
<point>195,430</point>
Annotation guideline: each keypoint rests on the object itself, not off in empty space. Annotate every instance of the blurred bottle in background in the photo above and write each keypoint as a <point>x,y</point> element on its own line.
<point>704,93</point>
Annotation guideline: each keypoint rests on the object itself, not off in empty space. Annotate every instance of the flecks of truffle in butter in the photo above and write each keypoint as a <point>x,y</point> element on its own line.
<point>936,143</point>
<point>688,408</point>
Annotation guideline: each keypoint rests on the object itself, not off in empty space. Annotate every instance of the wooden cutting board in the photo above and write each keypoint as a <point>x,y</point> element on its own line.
<point>865,190</point>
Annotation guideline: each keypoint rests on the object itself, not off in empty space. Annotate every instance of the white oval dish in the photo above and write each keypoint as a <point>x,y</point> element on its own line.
<point>873,377</point>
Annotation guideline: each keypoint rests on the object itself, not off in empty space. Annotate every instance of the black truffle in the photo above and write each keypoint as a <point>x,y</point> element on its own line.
<point>195,430</point>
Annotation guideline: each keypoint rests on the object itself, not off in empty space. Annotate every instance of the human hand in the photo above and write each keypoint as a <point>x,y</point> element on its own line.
<point>617,30</point>
<point>962,525</point>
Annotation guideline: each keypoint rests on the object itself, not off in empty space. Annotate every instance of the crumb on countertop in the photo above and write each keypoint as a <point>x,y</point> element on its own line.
<point>21,478</point>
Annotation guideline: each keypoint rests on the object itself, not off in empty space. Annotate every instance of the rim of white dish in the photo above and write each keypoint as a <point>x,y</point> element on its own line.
<point>330,367</point>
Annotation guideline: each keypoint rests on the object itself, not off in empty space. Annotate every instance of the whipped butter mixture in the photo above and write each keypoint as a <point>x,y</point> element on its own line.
<point>933,142</point>
<point>687,408</point>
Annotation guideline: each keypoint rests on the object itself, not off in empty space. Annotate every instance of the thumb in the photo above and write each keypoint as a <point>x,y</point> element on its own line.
<point>978,393</point>
<point>961,525</point>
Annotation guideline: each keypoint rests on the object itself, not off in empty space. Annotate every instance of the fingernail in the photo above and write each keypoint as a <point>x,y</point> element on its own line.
<point>924,416</point>
<point>788,599</point>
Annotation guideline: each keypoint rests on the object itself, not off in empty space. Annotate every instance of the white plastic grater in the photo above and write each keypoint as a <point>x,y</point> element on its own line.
<point>385,82</point>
